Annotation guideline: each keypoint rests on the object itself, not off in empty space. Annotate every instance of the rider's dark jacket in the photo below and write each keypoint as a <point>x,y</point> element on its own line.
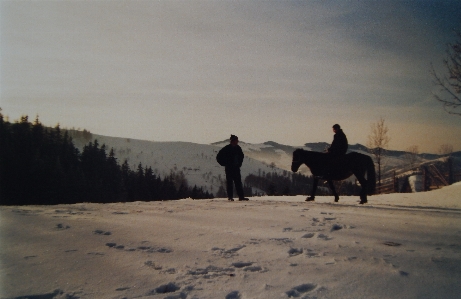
<point>339,145</point>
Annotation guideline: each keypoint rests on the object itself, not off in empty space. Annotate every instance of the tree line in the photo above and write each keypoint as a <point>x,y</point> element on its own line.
<point>42,166</point>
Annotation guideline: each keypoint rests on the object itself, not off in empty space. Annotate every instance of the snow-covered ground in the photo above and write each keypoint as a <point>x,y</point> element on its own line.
<point>396,246</point>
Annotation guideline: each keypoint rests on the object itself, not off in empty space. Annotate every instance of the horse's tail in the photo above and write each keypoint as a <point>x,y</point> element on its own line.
<point>371,176</point>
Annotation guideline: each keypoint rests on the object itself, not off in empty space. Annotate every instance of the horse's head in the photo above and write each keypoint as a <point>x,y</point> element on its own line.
<point>297,161</point>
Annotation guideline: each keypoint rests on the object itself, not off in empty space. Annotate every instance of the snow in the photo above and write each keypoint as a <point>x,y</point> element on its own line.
<point>196,161</point>
<point>416,183</point>
<point>405,245</point>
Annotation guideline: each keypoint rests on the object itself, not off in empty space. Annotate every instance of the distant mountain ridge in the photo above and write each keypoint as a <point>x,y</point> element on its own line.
<point>198,161</point>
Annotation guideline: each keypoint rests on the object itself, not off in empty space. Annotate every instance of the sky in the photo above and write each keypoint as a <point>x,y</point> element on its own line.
<point>198,71</point>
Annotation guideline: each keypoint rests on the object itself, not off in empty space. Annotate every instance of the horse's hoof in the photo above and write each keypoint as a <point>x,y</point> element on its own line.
<point>363,201</point>
<point>310,198</point>
<point>336,199</point>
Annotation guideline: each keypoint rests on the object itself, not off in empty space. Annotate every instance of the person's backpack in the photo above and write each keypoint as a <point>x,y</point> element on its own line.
<point>221,157</point>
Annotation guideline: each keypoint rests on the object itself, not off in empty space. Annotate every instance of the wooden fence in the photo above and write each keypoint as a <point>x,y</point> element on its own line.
<point>433,177</point>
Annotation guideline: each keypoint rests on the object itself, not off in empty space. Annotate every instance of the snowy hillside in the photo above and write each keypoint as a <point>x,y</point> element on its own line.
<point>198,161</point>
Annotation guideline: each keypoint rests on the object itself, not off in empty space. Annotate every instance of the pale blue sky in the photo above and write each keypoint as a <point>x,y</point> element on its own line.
<point>198,71</point>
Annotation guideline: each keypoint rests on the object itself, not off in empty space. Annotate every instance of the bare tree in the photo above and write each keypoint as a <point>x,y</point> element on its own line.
<point>378,141</point>
<point>449,92</point>
<point>445,149</point>
<point>412,155</point>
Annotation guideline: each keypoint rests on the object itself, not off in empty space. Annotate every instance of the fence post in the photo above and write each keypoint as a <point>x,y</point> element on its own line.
<point>425,187</point>
<point>450,171</point>
<point>395,183</point>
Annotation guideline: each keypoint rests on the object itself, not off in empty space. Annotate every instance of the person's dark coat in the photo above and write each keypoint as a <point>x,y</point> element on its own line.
<point>230,156</point>
<point>339,145</point>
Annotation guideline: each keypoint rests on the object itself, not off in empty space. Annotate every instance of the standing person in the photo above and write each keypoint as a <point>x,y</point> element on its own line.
<point>231,156</point>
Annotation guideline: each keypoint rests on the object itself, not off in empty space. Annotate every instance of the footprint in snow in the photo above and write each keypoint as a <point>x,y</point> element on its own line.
<point>308,235</point>
<point>336,227</point>
<point>101,232</point>
<point>62,226</point>
<point>253,269</point>
<point>301,289</point>
<point>211,271</point>
<point>227,253</point>
<point>234,295</point>
<point>324,237</point>
<point>151,264</point>
<point>310,253</point>
<point>295,251</point>
<point>169,271</point>
<point>282,240</point>
<point>403,273</point>
<point>390,243</point>
<point>95,253</point>
<point>242,264</point>
<point>164,289</point>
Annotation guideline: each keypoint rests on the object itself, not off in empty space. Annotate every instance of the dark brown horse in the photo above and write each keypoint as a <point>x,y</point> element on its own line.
<point>353,163</point>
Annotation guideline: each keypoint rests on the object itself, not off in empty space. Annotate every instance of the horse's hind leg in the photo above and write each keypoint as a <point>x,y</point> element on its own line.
<point>333,189</point>
<point>314,190</point>
<point>363,192</point>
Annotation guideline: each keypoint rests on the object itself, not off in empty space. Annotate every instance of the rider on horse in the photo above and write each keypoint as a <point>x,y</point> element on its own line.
<point>335,165</point>
<point>339,145</point>
<point>337,150</point>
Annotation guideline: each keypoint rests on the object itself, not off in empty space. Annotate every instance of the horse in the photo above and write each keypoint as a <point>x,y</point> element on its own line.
<point>352,163</point>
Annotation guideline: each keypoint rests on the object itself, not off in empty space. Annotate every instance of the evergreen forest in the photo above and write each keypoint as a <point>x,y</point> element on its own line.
<point>41,166</point>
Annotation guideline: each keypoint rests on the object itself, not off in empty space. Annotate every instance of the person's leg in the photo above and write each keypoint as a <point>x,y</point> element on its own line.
<point>238,183</point>
<point>230,184</point>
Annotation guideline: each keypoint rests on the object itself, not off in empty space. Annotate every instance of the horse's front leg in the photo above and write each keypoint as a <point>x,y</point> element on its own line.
<point>333,189</point>
<point>314,190</point>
